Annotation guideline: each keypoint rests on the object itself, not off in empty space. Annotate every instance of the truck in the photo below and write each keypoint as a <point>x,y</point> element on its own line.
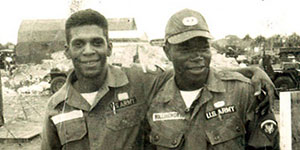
<point>286,77</point>
<point>289,53</point>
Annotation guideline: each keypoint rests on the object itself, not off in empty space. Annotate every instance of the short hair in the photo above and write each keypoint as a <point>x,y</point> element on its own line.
<point>85,17</point>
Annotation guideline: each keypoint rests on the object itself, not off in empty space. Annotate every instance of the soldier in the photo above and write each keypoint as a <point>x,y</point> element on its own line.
<point>202,109</point>
<point>100,106</point>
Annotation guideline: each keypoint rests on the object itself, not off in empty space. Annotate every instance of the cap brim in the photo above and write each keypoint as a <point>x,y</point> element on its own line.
<point>179,38</point>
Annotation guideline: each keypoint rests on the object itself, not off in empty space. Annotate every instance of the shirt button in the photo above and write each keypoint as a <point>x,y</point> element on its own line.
<point>238,129</point>
<point>156,138</point>
<point>187,110</point>
<point>217,138</point>
<point>174,142</point>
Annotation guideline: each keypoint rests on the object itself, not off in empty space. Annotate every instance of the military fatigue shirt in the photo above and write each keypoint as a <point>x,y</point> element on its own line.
<point>112,124</point>
<point>221,118</point>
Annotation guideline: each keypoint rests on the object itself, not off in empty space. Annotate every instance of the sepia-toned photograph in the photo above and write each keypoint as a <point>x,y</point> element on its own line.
<point>149,75</point>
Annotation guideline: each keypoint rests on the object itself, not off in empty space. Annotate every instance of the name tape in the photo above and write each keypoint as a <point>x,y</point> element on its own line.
<point>167,116</point>
<point>123,103</point>
<point>67,116</point>
<point>220,111</point>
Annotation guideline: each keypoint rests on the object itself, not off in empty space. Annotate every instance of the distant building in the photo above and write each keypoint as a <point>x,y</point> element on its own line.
<point>37,39</point>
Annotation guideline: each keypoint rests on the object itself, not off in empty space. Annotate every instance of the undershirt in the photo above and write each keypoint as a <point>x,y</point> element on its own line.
<point>89,97</point>
<point>189,96</point>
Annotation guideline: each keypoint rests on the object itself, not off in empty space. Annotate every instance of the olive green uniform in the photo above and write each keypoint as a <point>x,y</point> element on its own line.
<point>221,118</point>
<point>114,121</point>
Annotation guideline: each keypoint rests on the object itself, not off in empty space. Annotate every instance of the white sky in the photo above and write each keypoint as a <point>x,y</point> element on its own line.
<point>224,17</point>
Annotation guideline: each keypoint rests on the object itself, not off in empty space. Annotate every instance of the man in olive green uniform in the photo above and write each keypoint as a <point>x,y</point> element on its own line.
<point>200,108</point>
<point>100,106</point>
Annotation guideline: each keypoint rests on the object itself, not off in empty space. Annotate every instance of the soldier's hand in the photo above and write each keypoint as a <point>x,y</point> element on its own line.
<point>261,81</point>
<point>263,87</point>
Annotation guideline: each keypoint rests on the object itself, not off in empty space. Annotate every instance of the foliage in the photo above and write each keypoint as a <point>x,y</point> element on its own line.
<point>7,45</point>
<point>248,43</point>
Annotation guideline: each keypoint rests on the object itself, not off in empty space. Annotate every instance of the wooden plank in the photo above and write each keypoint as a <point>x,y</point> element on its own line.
<point>19,132</point>
<point>285,128</point>
<point>295,108</point>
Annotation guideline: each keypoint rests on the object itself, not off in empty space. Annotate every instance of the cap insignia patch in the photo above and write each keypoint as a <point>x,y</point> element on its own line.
<point>189,21</point>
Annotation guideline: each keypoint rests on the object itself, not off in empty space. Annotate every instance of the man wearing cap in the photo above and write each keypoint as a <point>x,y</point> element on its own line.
<point>100,106</point>
<point>200,108</point>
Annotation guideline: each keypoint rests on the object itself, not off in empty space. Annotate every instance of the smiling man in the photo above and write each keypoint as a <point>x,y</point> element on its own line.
<point>200,108</point>
<point>100,106</point>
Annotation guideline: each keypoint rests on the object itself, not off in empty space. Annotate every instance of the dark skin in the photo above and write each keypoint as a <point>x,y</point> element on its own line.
<point>191,61</point>
<point>88,49</point>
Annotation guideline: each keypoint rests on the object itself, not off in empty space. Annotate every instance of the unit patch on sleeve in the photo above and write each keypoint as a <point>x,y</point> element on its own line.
<point>220,111</point>
<point>167,116</point>
<point>268,126</point>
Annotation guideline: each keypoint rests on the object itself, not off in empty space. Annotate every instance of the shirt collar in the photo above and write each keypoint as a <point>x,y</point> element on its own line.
<point>214,84</point>
<point>115,78</point>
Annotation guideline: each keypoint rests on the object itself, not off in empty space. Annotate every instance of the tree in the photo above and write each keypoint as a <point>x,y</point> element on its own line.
<point>75,6</point>
<point>232,40</point>
<point>1,46</point>
<point>259,41</point>
<point>293,40</point>
<point>275,41</point>
<point>247,38</point>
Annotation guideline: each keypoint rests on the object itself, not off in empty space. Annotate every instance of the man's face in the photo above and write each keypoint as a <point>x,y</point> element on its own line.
<point>88,49</point>
<point>191,59</point>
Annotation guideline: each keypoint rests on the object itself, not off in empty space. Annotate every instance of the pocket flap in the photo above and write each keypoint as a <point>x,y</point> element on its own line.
<point>230,129</point>
<point>128,117</point>
<point>161,140</point>
<point>71,130</point>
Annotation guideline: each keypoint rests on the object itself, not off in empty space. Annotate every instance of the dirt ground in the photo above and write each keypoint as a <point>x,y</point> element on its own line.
<point>27,109</point>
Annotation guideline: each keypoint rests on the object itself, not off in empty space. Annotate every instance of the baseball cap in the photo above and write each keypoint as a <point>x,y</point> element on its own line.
<point>184,25</point>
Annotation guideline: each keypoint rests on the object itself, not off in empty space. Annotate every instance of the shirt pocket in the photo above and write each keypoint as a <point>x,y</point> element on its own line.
<point>71,130</point>
<point>126,117</point>
<point>160,140</point>
<point>228,133</point>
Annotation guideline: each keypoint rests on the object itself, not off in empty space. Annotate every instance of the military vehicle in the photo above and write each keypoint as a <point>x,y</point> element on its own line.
<point>7,60</point>
<point>289,53</point>
<point>287,77</point>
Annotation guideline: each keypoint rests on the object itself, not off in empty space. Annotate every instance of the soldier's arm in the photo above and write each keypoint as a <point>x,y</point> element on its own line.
<point>262,85</point>
<point>261,129</point>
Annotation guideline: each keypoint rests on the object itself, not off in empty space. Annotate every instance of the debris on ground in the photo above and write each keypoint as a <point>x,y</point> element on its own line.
<point>31,78</point>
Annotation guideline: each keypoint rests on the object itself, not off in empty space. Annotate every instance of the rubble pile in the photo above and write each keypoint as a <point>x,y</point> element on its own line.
<point>34,78</point>
<point>221,61</point>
